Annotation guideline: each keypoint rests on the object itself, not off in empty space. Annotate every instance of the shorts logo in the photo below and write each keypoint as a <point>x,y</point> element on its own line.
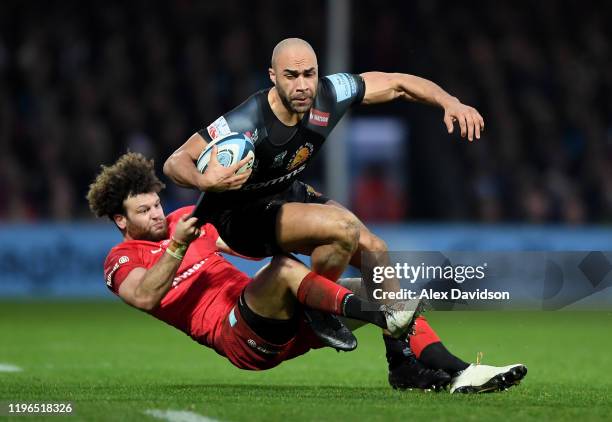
<point>123,259</point>
<point>278,160</point>
<point>302,155</point>
<point>218,128</point>
<point>232,318</point>
<point>262,349</point>
<point>318,118</point>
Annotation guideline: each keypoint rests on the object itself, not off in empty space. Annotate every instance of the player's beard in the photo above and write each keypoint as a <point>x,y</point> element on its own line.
<point>290,106</point>
<point>148,233</point>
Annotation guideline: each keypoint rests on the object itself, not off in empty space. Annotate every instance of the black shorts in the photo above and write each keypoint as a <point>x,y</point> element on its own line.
<point>249,228</point>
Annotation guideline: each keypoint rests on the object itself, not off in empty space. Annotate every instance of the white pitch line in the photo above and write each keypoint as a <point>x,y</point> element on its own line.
<point>7,367</point>
<point>178,416</point>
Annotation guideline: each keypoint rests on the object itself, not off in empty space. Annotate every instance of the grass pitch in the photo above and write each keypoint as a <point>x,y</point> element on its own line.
<point>114,363</point>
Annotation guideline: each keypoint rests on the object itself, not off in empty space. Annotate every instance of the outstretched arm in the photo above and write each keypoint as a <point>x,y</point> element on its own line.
<point>384,87</point>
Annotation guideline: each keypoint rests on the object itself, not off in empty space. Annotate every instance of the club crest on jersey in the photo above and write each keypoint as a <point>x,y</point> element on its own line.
<point>278,160</point>
<point>302,155</point>
<point>253,136</point>
<point>318,118</point>
<point>312,191</point>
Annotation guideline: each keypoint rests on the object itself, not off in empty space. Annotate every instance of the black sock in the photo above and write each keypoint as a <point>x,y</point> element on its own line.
<point>437,356</point>
<point>398,350</point>
<point>354,307</point>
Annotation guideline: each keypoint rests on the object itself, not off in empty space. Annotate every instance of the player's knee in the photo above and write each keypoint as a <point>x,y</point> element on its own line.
<point>347,233</point>
<point>371,243</point>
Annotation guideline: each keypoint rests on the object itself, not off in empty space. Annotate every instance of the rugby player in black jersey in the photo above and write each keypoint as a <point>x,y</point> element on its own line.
<point>269,211</point>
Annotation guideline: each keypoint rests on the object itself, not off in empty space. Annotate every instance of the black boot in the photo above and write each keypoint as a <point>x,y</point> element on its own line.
<point>406,371</point>
<point>330,330</point>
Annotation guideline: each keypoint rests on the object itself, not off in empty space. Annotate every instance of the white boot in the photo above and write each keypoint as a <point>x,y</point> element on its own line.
<point>485,378</point>
<point>400,316</point>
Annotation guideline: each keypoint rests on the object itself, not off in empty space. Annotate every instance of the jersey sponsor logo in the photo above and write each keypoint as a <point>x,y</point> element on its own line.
<point>189,272</point>
<point>218,128</point>
<point>281,179</point>
<point>302,155</point>
<point>278,160</point>
<point>109,277</point>
<point>318,118</point>
<point>344,85</point>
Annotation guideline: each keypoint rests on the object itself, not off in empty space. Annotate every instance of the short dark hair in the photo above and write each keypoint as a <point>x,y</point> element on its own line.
<point>132,174</point>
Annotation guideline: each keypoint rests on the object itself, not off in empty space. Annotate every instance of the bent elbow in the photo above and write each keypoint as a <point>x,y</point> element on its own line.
<point>146,304</point>
<point>169,165</point>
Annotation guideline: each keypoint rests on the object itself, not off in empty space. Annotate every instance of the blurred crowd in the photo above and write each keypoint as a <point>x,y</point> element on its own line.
<point>80,83</point>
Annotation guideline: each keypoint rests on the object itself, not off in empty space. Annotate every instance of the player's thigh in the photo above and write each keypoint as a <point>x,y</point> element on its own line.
<point>302,227</point>
<point>271,293</point>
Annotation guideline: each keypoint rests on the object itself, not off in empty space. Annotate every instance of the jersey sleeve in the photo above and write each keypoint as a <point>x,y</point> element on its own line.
<point>174,216</point>
<point>247,118</point>
<point>211,232</point>
<point>346,89</point>
<point>119,263</point>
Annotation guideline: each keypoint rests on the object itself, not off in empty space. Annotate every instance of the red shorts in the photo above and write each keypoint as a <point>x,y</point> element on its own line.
<point>246,350</point>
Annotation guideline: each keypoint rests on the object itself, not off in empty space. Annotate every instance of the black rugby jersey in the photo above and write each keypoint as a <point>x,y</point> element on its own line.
<point>283,152</point>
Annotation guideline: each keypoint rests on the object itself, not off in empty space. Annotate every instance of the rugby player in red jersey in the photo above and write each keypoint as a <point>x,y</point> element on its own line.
<point>269,211</point>
<point>171,268</point>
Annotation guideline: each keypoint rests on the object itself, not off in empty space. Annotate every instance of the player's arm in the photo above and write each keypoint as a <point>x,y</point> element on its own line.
<point>383,87</point>
<point>224,247</point>
<point>181,168</point>
<point>144,288</point>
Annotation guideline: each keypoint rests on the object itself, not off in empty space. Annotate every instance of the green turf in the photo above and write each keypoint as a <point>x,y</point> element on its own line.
<point>113,362</point>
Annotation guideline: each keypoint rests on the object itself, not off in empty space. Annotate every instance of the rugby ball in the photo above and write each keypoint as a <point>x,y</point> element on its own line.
<point>230,150</point>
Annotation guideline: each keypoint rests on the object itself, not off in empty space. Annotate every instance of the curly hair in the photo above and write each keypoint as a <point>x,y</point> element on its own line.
<point>131,175</point>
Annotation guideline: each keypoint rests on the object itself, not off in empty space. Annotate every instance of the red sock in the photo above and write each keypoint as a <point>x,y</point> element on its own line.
<point>321,294</point>
<point>423,336</point>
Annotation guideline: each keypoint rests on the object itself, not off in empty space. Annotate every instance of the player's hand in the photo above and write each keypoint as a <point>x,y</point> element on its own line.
<point>217,178</point>
<point>187,229</point>
<point>470,121</point>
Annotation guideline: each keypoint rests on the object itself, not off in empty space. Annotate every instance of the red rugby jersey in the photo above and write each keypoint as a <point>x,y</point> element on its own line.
<point>205,288</point>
